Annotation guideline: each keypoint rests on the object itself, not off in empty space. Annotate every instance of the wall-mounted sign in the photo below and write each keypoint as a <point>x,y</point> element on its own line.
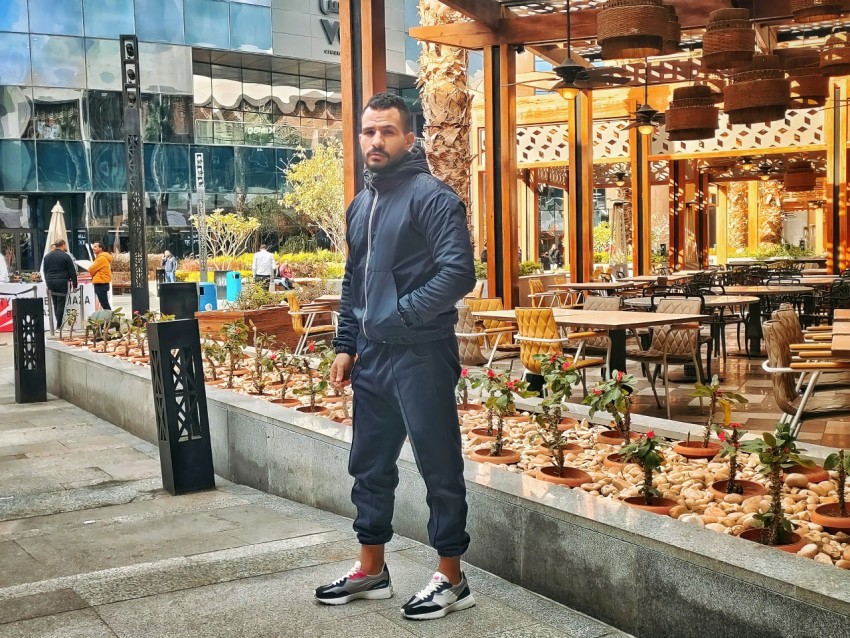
<point>329,26</point>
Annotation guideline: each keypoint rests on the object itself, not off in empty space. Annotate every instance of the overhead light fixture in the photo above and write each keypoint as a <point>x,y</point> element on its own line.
<point>621,178</point>
<point>568,92</point>
<point>746,163</point>
<point>765,171</point>
<point>646,129</point>
<point>764,177</point>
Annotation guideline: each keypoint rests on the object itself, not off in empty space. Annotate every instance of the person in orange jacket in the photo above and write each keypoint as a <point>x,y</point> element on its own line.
<point>101,272</point>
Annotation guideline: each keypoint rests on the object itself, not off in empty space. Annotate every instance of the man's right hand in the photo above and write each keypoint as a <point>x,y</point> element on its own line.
<point>341,370</point>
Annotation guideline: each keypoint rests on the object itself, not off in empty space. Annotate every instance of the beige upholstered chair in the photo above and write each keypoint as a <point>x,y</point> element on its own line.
<point>599,344</point>
<point>495,334</point>
<point>468,338</point>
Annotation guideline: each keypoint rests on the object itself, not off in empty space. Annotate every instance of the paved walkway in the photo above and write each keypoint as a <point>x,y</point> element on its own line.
<point>91,546</point>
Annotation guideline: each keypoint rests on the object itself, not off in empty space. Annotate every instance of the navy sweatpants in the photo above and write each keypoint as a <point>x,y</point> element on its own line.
<point>408,391</point>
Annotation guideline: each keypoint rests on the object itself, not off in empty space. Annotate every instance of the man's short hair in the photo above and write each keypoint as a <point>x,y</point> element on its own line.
<point>59,243</point>
<point>262,246</point>
<point>96,243</point>
<point>386,101</point>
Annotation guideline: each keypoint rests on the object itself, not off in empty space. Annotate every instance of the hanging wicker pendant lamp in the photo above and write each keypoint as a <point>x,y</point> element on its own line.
<point>800,177</point>
<point>835,55</point>
<point>806,11</point>
<point>729,39</point>
<point>808,86</point>
<point>673,39</point>
<point>693,114</point>
<point>757,92</point>
<point>632,28</point>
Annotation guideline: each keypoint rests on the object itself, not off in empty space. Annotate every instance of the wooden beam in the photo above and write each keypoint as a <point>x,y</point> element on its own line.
<point>836,213</point>
<point>374,47</point>
<point>486,12</point>
<point>676,248</point>
<point>578,229</point>
<point>703,206</point>
<point>555,55</point>
<point>641,202</point>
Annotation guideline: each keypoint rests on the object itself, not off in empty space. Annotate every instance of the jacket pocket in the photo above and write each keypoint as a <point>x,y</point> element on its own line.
<point>381,321</point>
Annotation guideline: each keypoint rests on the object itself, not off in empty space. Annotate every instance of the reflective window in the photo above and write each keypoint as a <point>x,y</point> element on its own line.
<point>108,167</point>
<point>262,3</point>
<point>15,60</point>
<point>17,165</point>
<point>13,16</point>
<point>207,23</point>
<point>250,27</point>
<point>256,170</point>
<point>63,166</point>
<point>166,167</point>
<point>257,91</point>
<point>286,93</point>
<point>165,68</point>
<point>160,21</point>
<point>108,18</point>
<point>286,132</point>
<point>58,61</point>
<point>16,111</point>
<point>58,114</point>
<point>202,82</point>
<point>226,201</point>
<point>106,115</point>
<point>259,129</point>
<point>103,64</point>
<point>56,18</point>
<point>167,118</point>
<point>314,98</point>
<point>334,99</point>
<point>226,87</point>
<point>106,210</point>
<point>219,171</point>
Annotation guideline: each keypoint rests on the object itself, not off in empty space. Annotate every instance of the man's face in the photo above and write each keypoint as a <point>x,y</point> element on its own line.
<point>96,249</point>
<point>383,140</point>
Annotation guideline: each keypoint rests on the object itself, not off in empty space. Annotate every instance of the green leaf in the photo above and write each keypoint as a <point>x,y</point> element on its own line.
<point>831,461</point>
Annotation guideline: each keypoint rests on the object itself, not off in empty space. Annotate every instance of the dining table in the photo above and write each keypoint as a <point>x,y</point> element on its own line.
<point>604,287</point>
<point>616,323</point>
<point>754,332</point>
<point>651,279</point>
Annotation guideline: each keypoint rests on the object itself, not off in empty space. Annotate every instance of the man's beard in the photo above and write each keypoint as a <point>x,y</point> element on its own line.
<point>390,166</point>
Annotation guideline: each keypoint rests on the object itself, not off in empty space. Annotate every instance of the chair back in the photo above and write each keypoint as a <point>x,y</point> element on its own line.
<point>536,323</point>
<point>537,288</point>
<point>478,290</point>
<point>677,342</point>
<point>483,304</point>
<point>787,316</point>
<point>559,280</point>
<point>603,304</point>
<point>294,309</point>
<point>777,341</point>
<point>469,347</point>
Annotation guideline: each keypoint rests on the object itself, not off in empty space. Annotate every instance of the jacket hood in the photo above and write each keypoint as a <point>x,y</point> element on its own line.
<point>412,164</point>
<point>106,254</point>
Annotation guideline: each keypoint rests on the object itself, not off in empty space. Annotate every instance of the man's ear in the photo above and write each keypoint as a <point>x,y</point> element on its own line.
<point>409,140</point>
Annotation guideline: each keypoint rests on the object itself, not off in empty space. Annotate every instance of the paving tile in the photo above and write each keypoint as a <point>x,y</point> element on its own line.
<point>84,623</point>
<point>36,605</point>
<point>533,631</point>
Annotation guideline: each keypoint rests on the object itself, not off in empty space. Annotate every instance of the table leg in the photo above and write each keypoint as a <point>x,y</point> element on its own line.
<point>618,350</point>
<point>753,335</point>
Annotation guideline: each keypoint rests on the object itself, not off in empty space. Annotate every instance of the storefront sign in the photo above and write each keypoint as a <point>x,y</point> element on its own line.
<point>330,27</point>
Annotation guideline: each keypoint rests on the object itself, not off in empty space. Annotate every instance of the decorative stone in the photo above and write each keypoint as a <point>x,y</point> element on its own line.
<point>823,558</point>
<point>716,527</point>
<point>796,480</point>
<point>735,499</point>
<point>809,551</point>
<point>691,519</point>
<point>843,564</point>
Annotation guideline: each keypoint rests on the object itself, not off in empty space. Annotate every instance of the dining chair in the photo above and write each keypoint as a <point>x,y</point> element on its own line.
<point>303,320</point>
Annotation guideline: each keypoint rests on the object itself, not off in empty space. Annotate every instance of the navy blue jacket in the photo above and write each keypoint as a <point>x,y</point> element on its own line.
<point>409,259</point>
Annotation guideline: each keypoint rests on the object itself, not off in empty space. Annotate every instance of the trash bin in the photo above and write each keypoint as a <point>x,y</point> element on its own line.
<point>234,285</point>
<point>220,279</point>
<point>160,279</point>
<point>180,300</point>
<point>207,296</point>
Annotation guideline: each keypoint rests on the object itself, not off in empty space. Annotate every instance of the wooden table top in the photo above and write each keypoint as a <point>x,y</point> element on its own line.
<point>762,291</point>
<point>711,301</point>
<point>328,299</point>
<point>842,314</point>
<point>676,276</point>
<point>605,320</point>
<point>841,346</point>
<point>591,285</point>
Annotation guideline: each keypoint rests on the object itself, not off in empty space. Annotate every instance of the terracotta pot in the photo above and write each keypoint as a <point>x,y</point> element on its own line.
<point>342,420</point>
<point>481,433</point>
<point>275,385</point>
<point>751,488</point>
<point>241,372</point>
<point>468,408</point>
<point>571,476</point>
<point>333,400</point>
<point>567,448</point>
<point>214,381</point>
<point>314,410</point>
<point>140,359</point>
<point>815,474</point>
<point>507,456</point>
<point>828,516</point>
<point>518,418</point>
<point>568,423</point>
<point>71,342</point>
<point>612,437</point>
<point>614,461</point>
<point>287,403</point>
<point>659,505</point>
<point>695,449</point>
<point>756,534</point>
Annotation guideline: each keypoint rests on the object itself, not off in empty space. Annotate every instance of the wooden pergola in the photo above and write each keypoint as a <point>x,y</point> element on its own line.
<point>503,28</point>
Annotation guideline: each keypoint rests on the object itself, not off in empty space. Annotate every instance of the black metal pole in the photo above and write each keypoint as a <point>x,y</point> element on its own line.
<point>576,164</point>
<point>356,32</point>
<point>132,98</point>
<point>497,251</point>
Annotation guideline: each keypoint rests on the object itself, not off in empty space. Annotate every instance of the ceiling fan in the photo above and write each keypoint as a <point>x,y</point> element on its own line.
<point>574,76</point>
<point>645,118</point>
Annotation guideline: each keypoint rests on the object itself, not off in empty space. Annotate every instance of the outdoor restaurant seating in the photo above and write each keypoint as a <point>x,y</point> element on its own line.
<point>496,335</point>
<point>303,318</point>
<point>468,338</point>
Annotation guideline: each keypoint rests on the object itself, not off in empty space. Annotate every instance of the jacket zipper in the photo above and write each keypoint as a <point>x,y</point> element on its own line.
<point>368,260</point>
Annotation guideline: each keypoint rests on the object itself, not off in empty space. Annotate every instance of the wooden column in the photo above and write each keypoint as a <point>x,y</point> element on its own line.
<point>363,53</point>
<point>703,204</point>
<point>501,173</point>
<point>753,209</point>
<point>835,212</point>
<point>578,199</point>
<point>676,249</point>
<point>641,203</point>
<point>722,225</point>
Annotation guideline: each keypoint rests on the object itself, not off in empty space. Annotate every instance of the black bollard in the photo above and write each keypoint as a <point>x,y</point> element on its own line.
<point>179,299</point>
<point>180,402</point>
<point>30,370</point>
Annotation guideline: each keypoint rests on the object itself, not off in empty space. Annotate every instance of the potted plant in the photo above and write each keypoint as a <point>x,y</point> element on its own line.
<point>557,443</point>
<point>234,336</point>
<point>614,396</point>
<point>559,376</point>
<point>775,451</point>
<point>488,383</point>
<point>215,356</point>
<point>835,516</point>
<point>315,383</point>
<point>646,452</point>
<point>501,401</point>
<point>717,400</point>
<point>287,365</point>
<point>69,322</point>
<point>262,364</point>
<point>730,445</point>
<point>139,329</point>
<point>464,384</point>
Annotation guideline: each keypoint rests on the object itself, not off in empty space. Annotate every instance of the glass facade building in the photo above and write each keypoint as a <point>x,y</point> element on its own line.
<point>212,81</point>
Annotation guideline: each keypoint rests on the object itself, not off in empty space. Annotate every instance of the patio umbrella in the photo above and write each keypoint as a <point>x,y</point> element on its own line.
<point>617,255</point>
<point>57,229</point>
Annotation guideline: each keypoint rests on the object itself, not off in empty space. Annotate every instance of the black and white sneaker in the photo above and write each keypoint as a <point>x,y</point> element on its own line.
<point>438,599</point>
<point>356,584</point>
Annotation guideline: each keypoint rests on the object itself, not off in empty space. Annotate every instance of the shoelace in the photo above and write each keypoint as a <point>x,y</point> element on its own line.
<point>429,589</point>
<point>351,572</point>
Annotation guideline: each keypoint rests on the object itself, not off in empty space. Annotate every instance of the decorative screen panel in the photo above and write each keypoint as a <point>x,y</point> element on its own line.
<point>543,143</point>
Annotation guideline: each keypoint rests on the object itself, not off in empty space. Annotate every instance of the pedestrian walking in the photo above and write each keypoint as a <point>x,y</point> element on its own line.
<point>60,272</point>
<point>169,265</point>
<point>263,266</point>
<point>409,261</point>
<point>101,272</point>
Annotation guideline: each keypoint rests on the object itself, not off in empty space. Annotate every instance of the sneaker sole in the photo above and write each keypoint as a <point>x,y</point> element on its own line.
<point>372,594</point>
<point>459,605</point>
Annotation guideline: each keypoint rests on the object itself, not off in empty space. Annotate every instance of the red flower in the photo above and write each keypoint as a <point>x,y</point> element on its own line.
<point>721,435</point>
<point>512,385</point>
<point>273,356</point>
<point>566,366</point>
<point>135,312</point>
<point>785,450</point>
<point>619,376</point>
<point>464,374</point>
<point>737,445</point>
<point>650,435</point>
<point>734,426</point>
<point>597,391</point>
<point>311,346</point>
<point>553,358</point>
<point>491,374</point>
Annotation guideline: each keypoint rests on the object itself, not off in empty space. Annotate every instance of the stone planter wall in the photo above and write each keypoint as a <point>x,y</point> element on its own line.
<point>646,574</point>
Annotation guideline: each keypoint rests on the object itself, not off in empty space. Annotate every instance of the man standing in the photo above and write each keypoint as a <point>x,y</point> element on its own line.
<point>101,272</point>
<point>409,261</point>
<point>59,269</point>
<point>169,265</point>
<point>263,266</point>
